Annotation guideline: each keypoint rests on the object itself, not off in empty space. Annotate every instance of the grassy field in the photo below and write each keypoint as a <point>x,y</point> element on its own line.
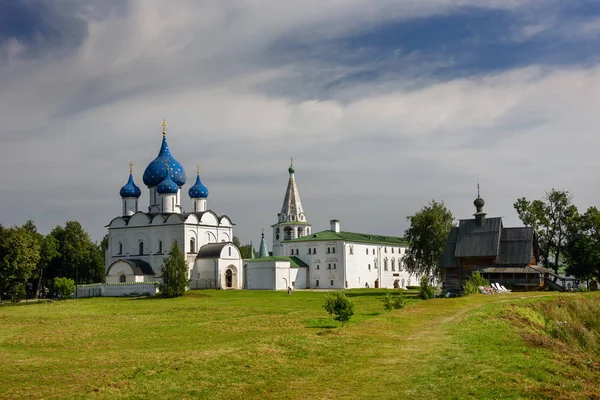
<point>254,344</point>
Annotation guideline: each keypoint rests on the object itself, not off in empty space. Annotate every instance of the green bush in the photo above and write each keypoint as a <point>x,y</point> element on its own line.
<point>340,305</point>
<point>393,302</point>
<point>426,291</point>
<point>472,284</point>
<point>174,272</point>
<point>413,287</point>
<point>64,287</point>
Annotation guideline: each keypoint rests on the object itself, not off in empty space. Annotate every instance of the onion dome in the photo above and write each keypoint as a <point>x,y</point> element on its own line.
<point>479,202</point>
<point>130,189</point>
<point>198,191</point>
<point>167,186</point>
<point>291,169</point>
<point>164,164</point>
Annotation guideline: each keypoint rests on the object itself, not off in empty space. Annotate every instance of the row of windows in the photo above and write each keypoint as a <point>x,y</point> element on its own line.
<point>317,283</point>
<point>385,250</point>
<point>328,266</point>
<point>141,249</point>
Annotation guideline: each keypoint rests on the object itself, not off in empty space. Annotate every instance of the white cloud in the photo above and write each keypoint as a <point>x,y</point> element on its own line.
<point>72,124</point>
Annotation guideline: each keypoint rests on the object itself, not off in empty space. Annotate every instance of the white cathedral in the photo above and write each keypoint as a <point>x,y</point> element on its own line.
<point>140,240</point>
<point>332,259</point>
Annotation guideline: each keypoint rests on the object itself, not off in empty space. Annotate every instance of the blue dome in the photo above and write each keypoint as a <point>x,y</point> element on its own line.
<point>130,189</point>
<point>156,171</point>
<point>167,186</point>
<point>198,191</point>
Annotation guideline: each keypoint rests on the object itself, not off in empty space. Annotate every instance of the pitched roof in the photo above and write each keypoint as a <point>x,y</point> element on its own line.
<point>211,250</point>
<point>295,262</point>
<point>478,240</point>
<point>448,258</point>
<point>138,267</point>
<point>516,246</point>
<point>351,237</point>
<point>291,203</point>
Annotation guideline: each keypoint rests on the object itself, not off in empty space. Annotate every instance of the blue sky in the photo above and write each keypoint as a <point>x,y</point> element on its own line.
<point>384,105</point>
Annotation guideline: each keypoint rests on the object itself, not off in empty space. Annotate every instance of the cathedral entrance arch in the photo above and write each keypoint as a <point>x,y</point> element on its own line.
<point>228,278</point>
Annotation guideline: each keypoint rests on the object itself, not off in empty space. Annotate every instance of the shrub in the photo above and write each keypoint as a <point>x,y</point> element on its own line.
<point>426,291</point>
<point>391,302</point>
<point>340,305</point>
<point>472,284</point>
<point>64,287</point>
<point>174,273</point>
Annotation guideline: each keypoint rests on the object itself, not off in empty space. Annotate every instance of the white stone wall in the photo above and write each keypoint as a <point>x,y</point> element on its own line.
<point>117,289</point>
<point>211,273</point>
<point>296,278</point>
<point>151,232</point>
<point>260,275</point>
<point>350,265</point>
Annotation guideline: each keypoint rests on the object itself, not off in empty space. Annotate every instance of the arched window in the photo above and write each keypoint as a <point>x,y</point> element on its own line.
<point>318,266</point>
<point>375,263</point>
<point>160,246</point>
<point>120,248</point>
<point>317,283</point>
<point>141,248</point>
<point>393,264</point>
<point>122,278</point>
<point>369,267</point>
<point>229,248</point>
<point>192,245</point>
<point>385,264</point>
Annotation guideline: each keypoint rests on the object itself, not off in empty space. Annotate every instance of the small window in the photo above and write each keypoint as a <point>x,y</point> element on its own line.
<point>334,266</point>
<point>393,265</point>
<point>331,283</point>
<point>160,246</point>
<point>329,266</point>
<point>351,249</point>
<point>369,267</point>
<point>367,250</point>
<point>333,249</point>
<point>318,266</point>
<point>373,251</point>
<point>385,249</point>
<point>229,251</point>
<point>385,264</point>
<point>192,245</point>
<point>317,283</point>
<point>328,250</point>
<point>309,251</point>
<point>392,250</point>
<point>120,248</point>
<point>122,279</point>
<point>141,248</point>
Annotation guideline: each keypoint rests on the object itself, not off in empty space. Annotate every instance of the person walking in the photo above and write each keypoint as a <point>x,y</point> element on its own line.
<point>289,290</point>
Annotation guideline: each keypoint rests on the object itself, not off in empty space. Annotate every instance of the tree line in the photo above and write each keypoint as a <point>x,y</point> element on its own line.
<point>29,260</point>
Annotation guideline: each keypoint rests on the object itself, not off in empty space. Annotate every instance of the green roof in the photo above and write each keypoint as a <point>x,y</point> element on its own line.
<point>295,262</point>
<point>290,223</point>
<point>351,237</point>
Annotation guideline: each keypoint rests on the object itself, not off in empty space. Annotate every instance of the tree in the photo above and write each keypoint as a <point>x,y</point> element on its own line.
<point>426,291</point>
<point>236,241</point>
<point>19,256</point>
<point>64,287</point>
<point>245,251</point>
<point>48,252</point>
<point>393,302</point>
<point>174,272</point>
<point>339,305</point>
<point>582,245</point>
<point>550,219</point>
<point>80,258</point>
<point>427,236</point>
<point>472,284</point>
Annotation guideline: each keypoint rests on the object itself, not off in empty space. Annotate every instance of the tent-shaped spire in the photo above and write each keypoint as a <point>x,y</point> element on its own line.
<point>263,252</point>
<point>292,206</point>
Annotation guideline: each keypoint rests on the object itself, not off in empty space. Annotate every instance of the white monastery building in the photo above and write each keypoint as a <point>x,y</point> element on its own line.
<point>140,240</point>
<point>332,259</point>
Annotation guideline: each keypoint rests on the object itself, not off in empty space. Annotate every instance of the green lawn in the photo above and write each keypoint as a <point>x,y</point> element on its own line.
<point>261,344</point>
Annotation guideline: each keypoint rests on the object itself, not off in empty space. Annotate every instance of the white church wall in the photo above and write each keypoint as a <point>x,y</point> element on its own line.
<point>117,289</point>
<point>293,277</point>
<point>260,275</point>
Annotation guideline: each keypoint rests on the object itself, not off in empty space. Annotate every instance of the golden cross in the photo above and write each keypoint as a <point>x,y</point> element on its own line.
<point>164,127</point>
<point>130,167</point>
<point>291,162</point>
<point>198,169</point>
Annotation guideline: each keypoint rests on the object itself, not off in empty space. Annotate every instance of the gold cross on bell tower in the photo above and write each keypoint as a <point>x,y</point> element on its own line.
<point>164,127</point>
<point>198,169</point>
<point>130,167</point>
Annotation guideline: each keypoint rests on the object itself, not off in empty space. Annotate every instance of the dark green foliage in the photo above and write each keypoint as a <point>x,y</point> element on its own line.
<point>19,256</point>
<point>551,219</point>
<point>174,273</point>
<point>340,305</point>
<point>472,284</point>
<point>427,236</point>
<point>64,287</point>
<point>80,258</point>
<point>393,302</point>
<point>582,249</point>
<point>426,291</point>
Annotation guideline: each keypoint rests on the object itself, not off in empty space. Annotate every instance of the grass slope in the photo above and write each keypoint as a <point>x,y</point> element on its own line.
<point>255,344</point>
